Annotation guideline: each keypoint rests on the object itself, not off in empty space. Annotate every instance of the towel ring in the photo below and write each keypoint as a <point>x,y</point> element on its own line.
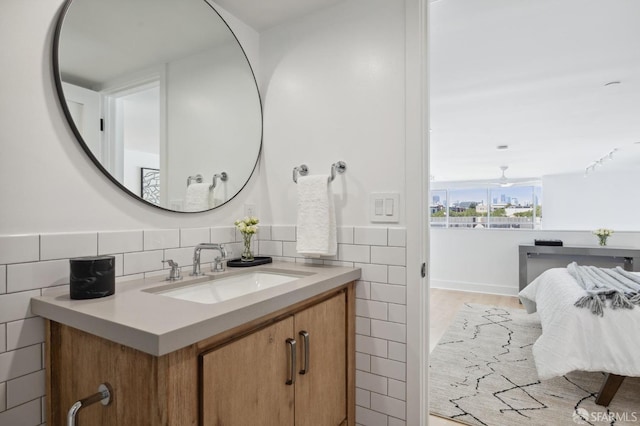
<point>197,178</point>
<point>222,176</point>
<point>301,170</point>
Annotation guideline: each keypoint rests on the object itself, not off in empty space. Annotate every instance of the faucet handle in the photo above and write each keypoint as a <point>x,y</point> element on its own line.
<point>174,274</point>
<point>218,264</point>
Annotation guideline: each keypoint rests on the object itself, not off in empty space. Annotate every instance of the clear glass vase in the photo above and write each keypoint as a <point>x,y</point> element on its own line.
<point>247,255</point>
<point>603,239</point>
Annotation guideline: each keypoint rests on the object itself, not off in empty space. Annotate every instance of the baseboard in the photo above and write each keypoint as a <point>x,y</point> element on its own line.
<point>474,287</point>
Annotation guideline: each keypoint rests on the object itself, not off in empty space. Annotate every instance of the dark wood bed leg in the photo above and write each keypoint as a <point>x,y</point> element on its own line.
<point>608,389</point>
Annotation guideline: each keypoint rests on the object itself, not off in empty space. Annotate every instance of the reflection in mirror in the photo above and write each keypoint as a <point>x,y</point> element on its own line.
<point>157,91</point>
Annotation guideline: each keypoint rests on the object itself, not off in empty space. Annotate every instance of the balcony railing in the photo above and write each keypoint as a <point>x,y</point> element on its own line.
<point>484,222</point>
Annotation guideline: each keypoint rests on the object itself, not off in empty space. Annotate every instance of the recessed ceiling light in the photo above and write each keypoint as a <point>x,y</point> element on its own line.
<point>611,83</point>
<point>502,147</point>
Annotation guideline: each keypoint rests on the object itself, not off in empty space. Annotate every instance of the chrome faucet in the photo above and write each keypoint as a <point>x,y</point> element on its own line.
<point>218,266</point>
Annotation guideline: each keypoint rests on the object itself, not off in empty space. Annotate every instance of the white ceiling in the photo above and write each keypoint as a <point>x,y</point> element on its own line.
<point>264,14</point>
<point>531,75</point>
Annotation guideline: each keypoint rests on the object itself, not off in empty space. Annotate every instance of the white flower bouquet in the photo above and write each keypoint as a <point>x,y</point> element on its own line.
<point>603,234</point>
<point>247,227</point>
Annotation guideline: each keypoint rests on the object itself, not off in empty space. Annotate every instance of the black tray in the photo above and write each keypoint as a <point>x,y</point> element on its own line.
<point>257,260</point>
<point>552,243</point>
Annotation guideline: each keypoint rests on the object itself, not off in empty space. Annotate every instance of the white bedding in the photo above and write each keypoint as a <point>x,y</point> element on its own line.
<point>574,338</point>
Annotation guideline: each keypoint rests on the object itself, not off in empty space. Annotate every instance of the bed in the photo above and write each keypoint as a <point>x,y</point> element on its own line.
<point>576,339</point>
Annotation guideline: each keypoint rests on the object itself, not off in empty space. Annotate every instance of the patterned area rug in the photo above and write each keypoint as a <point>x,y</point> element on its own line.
<point>482,373</point>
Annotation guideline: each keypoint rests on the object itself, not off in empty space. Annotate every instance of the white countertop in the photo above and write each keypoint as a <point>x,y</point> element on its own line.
<point>158,325</point>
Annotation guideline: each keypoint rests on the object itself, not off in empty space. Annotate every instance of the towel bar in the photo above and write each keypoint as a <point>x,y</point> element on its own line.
<point>198,179</point>
<point>303,170</point>
<point>103,396</point>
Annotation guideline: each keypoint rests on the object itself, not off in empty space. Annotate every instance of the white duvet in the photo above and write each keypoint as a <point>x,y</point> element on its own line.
<point>574,338</point>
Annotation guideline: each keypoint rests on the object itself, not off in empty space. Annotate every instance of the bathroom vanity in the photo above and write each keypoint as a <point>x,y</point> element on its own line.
<point>280,355</point>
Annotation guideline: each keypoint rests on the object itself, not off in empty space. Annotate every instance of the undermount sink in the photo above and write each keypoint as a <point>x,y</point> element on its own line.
<point>218,290</point>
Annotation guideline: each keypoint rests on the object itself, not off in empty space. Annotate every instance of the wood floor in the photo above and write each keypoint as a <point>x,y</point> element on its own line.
<point>444,305</point>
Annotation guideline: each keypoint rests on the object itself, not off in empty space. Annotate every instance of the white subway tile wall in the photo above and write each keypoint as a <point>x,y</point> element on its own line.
<point>155,239</point>
<point>19,248</point>
<point>224,233</point>
<point>33,275</point>
<point>24,333</point>
<point>370,236</point>
<point>3,279</point>
<point>3,396</point>
<point>194,236</point>
<point>60,246</point>
<point>25,388</point>
<point>283,233</point>
<point>119,242</point>
<point>380,322</point>
<point>30,264</point>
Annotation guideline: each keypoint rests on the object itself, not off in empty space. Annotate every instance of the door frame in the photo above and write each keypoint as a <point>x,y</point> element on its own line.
<point>112,142</point>
<point>416,187</point>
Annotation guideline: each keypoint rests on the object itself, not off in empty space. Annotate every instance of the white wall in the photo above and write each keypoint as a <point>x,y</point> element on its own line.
<point>486,260</point>
<point>606,198</point>
<point>333,87</point>
<point>47,183</point>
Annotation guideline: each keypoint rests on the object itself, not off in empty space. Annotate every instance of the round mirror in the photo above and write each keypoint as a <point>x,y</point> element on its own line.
<point>161,96</point>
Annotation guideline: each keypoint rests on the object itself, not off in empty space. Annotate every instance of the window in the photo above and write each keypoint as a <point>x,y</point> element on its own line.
<point>518,207</point>
<point>468,208</point>
<point>438,209</point>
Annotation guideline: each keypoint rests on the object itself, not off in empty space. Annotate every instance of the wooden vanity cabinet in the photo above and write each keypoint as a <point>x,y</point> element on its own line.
<point>255,380</point>
<point>238,377</point>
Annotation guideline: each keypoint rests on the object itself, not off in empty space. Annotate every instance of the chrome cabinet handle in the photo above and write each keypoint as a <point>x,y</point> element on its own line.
<point>305,338</point>
<point>292,362</point>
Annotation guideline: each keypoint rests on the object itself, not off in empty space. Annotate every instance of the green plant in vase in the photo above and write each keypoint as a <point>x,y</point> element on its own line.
<point>247,227</point>
<point>603,234</point>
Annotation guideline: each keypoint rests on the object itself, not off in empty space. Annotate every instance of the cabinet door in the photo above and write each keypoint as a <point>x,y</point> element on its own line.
<point>321,392</point>
<point>244,382</point>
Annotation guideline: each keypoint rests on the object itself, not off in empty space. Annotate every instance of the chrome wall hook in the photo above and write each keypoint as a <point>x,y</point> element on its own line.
<point>197,178</point>
<point>222,176</point>
<point>339,167</point>
<point>301,170</point>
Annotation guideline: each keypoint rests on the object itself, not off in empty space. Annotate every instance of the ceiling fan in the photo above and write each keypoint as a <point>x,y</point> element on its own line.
<point>504,181</point>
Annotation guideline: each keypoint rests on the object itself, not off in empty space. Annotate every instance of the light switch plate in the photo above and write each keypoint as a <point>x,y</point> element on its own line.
<point>384,207</point>
<point>250,210</point>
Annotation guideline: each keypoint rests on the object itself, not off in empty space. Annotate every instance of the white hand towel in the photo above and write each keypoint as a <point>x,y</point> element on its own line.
<point>317,234</point>
<point>197,197</point>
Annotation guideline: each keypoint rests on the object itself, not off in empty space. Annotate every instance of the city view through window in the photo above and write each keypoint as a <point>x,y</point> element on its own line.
<point>517,207</point>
